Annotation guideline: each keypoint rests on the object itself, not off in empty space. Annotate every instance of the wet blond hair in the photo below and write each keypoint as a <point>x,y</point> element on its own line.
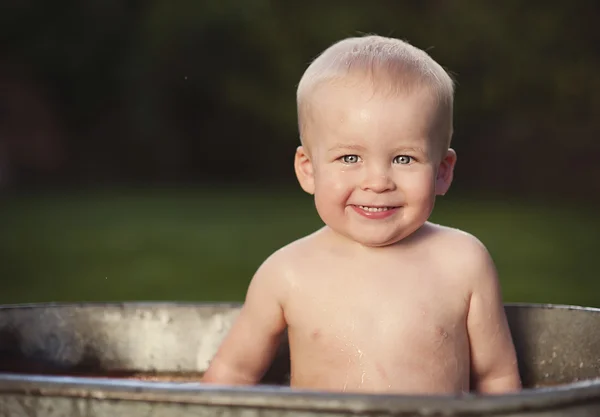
<point>392,66</point>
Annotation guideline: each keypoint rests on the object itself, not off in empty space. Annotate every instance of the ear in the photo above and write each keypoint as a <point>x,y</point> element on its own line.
<point>304,170</point>
<point>445,173</point>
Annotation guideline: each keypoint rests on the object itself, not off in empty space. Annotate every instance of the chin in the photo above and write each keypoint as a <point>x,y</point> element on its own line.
<point>375,242</point>
<point>384,240</point>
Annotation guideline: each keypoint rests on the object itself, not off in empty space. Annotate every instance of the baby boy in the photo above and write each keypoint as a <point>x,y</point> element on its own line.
<point>379,299</point>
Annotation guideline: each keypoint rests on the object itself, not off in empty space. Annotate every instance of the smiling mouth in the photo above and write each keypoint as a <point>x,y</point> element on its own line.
<point>372,209</point>
<point>376,212</point>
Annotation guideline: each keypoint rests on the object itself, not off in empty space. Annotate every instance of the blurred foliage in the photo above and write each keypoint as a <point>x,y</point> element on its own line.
<point>114,91</point>
<point>204,244</point>
<point>205,90</point>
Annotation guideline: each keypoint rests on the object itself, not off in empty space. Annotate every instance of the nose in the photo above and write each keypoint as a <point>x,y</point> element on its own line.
<point>378,181</point>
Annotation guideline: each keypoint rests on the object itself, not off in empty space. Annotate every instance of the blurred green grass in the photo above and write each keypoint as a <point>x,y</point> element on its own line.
<point>204,244</point>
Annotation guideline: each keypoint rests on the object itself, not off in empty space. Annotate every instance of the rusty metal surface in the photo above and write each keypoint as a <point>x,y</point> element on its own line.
<point>89,360</point>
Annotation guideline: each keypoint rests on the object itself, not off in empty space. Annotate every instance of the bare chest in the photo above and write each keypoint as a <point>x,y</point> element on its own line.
<point>385,312</point>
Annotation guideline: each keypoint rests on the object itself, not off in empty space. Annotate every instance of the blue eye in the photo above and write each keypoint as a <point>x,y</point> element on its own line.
<point>350,159</point>
<point>403,159</point>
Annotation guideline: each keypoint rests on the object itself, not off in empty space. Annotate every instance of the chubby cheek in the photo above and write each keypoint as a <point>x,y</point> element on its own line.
<point>420,189</point>
<point>333,187</point>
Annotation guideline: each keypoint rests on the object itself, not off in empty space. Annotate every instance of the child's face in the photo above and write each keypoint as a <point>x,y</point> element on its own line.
<point>374,163</point>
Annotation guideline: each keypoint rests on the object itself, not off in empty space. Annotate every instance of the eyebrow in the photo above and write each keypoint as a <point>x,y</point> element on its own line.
<point>409,149</point>
<point>351,147</point>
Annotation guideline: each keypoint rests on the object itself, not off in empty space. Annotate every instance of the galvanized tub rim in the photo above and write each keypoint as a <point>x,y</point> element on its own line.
<point>285,398</point>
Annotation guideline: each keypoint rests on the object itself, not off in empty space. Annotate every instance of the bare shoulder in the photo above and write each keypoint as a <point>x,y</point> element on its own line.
<point>461,251</point>
<point>279,271</point>
<point>286,258</point>
<point>452,238</point>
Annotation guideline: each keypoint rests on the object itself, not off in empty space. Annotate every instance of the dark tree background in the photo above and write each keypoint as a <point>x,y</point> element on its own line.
<point>105,91</point>
<point>146,146</point>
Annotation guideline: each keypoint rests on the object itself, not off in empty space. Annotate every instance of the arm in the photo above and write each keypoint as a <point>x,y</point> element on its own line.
<point>250,345</point>
<point>493,359</point>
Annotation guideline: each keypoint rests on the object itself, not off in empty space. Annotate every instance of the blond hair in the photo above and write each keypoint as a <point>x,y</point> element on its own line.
<point>393,66</point>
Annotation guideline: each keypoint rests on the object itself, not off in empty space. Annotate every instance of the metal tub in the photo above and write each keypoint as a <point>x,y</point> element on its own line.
<point>145,359</point>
